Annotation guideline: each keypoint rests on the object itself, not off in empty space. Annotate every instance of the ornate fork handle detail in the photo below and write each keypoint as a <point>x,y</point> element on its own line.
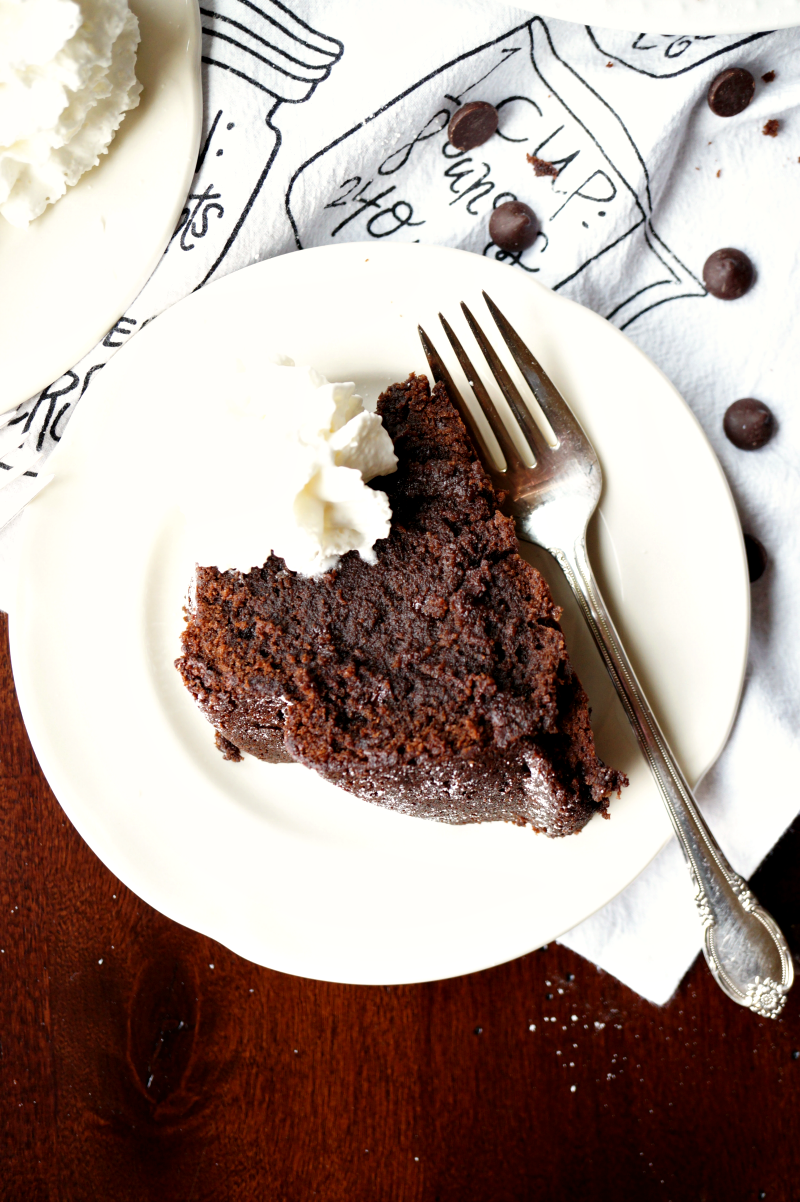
<point>743,946</point>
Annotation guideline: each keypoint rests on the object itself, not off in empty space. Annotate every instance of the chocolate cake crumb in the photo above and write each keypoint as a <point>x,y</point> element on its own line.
<point>229,750</point>
<point>768,78</point>
<point>434,682</point>
<point>542,166</point>
<point>771,128</point>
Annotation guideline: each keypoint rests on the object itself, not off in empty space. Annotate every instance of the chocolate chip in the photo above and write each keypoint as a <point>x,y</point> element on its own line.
<point>768,78</point>
<point>749,424</point>
<point>731,91</point>
<point>513,226</point>
<point>756,557</point>
<point>472,125</point>
<point>728,273</point>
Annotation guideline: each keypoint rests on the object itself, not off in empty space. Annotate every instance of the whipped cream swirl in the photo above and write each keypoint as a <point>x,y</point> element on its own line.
<point>66,80</point>
<point>292,456</point>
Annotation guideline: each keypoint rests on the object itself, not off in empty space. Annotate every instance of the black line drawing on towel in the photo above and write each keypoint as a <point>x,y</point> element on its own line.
<point>598,239</point>
<point>264,48</point>
<point>47,428</point>
<point>273,57</point>
<point>665,55</point>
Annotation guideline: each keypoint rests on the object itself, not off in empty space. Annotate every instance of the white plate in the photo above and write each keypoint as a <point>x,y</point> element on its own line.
<point>682,16</point>
<point>69,276</point>
<point>272,861</point>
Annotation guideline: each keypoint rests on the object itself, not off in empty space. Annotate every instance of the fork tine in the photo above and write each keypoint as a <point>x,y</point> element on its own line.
<point>553,405</point>
<point>514,461</point>
<point>509,389</point>
<point>442,375</point>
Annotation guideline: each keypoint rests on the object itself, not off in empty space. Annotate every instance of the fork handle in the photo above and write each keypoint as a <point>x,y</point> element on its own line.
<point>743,945</point>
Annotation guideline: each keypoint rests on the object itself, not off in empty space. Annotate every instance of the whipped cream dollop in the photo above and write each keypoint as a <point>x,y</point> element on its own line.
<point>67,77</point>
<point>292,455</point>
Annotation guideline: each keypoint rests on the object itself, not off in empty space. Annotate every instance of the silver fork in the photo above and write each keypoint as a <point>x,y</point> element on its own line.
<point>551,504</point>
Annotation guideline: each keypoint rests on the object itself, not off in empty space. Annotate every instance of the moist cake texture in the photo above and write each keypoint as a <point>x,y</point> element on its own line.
<point>434,682</point>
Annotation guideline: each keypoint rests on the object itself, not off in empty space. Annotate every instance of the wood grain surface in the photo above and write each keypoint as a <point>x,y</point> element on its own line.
<point>139,1060</point>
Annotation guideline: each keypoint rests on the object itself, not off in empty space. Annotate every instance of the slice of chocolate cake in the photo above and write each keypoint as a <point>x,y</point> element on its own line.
<point>436,681</point>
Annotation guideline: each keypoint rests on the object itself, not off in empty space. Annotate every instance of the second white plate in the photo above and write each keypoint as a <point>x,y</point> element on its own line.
<point>269,859</point>
<point>68,277</point>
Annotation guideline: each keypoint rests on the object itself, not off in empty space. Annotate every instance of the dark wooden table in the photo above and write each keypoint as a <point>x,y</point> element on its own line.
<point>139,1060</point>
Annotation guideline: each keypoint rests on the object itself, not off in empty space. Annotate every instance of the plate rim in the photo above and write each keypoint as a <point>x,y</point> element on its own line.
<point>188,12</point>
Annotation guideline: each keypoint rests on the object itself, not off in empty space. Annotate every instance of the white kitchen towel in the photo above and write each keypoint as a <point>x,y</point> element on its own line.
<point>326,122</point>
